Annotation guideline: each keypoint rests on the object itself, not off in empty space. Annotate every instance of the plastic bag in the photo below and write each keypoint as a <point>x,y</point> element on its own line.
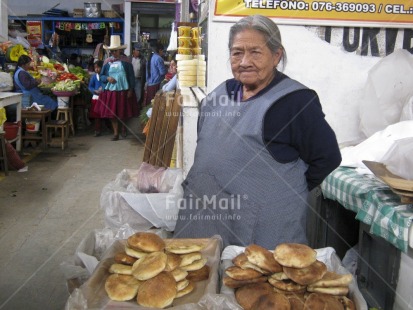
<point>389,86</point>
<point>173,46</point>
<point>399,160</point>
<point>124,203</point>
<point>375,147</point>
<point>149,178</point>
<point>6,81</point>
<point>78,268</point>
<point>407,111</point>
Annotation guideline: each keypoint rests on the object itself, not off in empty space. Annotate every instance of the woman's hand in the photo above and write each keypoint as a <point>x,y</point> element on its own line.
<point>130,93</point>
<point>111,80</point>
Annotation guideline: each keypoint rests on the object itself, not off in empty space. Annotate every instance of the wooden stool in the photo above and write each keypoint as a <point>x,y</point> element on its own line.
<point>3,156</point>
<point>63,125</point>
<point>64,113</point>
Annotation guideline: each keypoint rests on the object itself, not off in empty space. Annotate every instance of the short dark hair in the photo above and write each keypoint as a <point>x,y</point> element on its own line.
<point>99,63</point>
<point>23,59</point>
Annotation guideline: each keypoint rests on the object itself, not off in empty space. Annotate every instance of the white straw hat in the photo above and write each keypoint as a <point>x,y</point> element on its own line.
<point>115,43</point>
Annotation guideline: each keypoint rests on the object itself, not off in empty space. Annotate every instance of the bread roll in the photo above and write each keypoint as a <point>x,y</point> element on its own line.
<point>187,259</point>
<point>179,274</point>
<point>242,261</point>
<point>262,258</point>
<point>339,290</point>
<point>333,279</point>
<point>180,248</point>
<point>149,266</point>
<point>297,301</point>
<point>238,273</point>
<point>230,282</point>
<point>121,287</point>
<point>294,255</point>
<point>322,301</point>
<point>272,301</point>
<point>198,264</point>
<point>286,285</point>
<point>188,289</point>
<point>306,275</point>
<point>172,262</point>
<point>157,292</point>
<point>198,275</point>
<point>181,284</point>
<point>279,276</point>
<point>247,295</point>
<point>120,269</point>
<point>123,258</point>
<point>146,242</point>
<point>134,253</point>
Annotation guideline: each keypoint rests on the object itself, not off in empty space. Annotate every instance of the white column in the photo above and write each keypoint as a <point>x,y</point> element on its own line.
<point>4,22</point>
<point>185,11</point>
<point>190,112</point>
<point>126,27</point>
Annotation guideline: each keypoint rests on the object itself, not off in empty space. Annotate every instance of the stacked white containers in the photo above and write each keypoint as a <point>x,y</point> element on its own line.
<point>191,63</point>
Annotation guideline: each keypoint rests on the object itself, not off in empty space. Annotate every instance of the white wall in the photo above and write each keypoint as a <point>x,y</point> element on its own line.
<point>4,21</point>
<point>338,76</point>
<point>21,7</point>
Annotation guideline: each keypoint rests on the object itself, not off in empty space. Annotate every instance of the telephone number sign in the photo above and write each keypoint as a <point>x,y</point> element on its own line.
<point>394,13</point>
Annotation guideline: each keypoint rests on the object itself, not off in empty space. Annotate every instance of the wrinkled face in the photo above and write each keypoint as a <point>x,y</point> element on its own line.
<point>252,62</point>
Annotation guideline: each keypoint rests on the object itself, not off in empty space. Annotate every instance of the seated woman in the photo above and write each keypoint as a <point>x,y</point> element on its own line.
<point>169,84</point>
<point>26,84</point>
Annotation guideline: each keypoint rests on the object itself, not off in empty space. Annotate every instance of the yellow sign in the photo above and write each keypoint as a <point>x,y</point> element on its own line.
<point>389,13</point>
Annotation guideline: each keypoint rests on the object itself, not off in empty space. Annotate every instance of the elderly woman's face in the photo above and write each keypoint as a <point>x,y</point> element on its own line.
<point>252,62</point>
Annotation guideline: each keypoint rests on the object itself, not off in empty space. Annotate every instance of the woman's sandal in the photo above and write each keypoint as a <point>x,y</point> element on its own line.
<point>115,138</point>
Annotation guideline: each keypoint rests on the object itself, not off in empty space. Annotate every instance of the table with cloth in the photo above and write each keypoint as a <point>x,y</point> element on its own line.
<point>373,202</point>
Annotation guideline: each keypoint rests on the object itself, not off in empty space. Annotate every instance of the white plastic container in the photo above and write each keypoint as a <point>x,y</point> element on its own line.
<point>32,125</point>
<point>63,102</point>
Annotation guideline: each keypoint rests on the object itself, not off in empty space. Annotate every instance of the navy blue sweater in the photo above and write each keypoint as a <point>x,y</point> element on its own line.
<point>294,127</point>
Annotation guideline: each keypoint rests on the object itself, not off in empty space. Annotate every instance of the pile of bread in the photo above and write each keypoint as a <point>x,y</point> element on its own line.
<point>154,273</point>
<point>289,278</point>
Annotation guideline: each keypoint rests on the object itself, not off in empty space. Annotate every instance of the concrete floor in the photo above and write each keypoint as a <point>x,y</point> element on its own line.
<point>47,211</point>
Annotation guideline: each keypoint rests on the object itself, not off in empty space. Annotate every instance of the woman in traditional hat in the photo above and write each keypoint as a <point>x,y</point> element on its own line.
<point>117,101</point>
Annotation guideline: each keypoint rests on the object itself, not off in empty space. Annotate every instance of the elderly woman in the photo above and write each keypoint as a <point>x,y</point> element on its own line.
<point>263,144</point>
<point>117,101</point>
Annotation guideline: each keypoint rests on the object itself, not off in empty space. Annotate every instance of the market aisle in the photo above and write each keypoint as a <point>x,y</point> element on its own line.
<point>47,211</point>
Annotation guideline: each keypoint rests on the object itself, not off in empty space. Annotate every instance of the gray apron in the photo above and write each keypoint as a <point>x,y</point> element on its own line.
<point>235,188</point>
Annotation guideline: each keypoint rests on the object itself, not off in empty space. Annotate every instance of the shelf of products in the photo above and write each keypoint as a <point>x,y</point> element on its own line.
<point>74,32</point>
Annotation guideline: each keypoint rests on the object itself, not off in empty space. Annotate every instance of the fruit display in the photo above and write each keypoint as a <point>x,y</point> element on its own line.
<point>14,52</point>
<point>54,76</point>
